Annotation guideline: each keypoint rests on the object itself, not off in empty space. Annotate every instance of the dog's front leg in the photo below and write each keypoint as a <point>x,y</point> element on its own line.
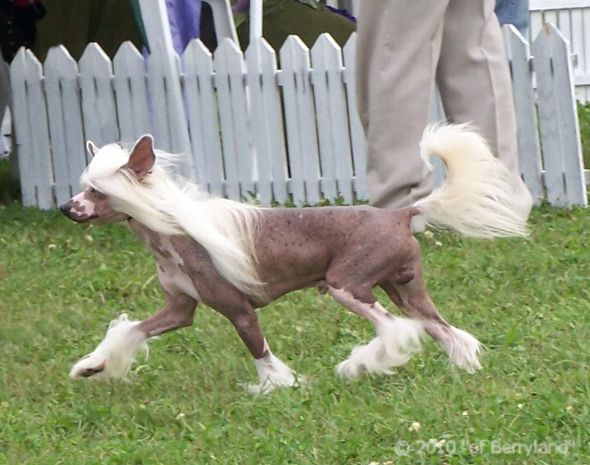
<point>113,357</point>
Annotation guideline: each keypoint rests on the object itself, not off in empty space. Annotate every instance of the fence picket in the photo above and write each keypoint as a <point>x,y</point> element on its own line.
<point>547,118</point>
<point>328,84</point>
<point>98,98</point>
<point>236,69</point>
<point>319,80</point>
<point>165,111</point>
<point>300,121</point>
<point>21,120</point>
<point>39,133</point>
<point>131,93</point>
<point>270,134</point>
<point>228,115</point>
<point>569,130</point>
<point>357,134</point>
<point>526,116</point>
<point>259,120</point>
<point>558,120</point>
<point>203,118</point>
<point>578,38</point>
<point>586,48</point>
<point>65,124</point>
<point>157,100</point>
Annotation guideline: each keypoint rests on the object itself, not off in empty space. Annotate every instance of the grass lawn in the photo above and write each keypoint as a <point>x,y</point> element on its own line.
<point>584,119</point>
<point>527,300</point>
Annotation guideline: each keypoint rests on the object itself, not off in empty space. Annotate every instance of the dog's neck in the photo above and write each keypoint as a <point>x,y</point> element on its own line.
<point>151,239</point>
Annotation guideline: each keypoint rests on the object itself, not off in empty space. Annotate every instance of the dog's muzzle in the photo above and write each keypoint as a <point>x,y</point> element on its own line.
<point>69,210</point>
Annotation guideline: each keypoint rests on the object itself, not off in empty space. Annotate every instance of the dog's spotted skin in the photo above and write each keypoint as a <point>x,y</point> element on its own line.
<point>289,257</point>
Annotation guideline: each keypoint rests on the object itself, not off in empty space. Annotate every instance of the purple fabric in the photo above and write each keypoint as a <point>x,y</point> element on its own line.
<point>184,17</point>
<point>342,12</point>
<point>241,6</point>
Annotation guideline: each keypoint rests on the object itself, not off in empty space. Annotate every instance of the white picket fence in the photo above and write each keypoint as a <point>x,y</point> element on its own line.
<point>279,135</point>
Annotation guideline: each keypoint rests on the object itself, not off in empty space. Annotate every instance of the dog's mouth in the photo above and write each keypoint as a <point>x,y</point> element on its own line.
<point>78,217</point>
<point>82,218</point>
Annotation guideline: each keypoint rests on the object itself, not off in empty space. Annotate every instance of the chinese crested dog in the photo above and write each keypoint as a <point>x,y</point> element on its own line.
<point>236,258</point>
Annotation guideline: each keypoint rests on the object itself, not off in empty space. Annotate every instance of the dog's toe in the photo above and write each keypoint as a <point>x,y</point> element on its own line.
<point>90,365</point>
<point>350,369</point>
<point>88,372</point>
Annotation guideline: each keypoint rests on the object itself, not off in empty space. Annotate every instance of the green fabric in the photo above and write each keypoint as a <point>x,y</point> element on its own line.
<point>76,23</point>
<point>306,19</point>
<point>138,20</point>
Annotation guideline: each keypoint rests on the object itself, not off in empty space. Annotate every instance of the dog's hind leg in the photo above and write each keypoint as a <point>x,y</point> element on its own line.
<point>413,299</point>
<point>113,357</point>
<point>397,338</point>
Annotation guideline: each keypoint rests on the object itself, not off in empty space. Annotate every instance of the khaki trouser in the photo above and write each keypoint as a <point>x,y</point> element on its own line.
<point>404,47</point>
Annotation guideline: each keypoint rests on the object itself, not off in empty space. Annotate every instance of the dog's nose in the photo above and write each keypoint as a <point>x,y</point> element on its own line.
<point>65,208</point>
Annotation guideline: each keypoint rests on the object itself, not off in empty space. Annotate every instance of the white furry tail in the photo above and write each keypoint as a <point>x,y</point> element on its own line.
<point>477,199</point>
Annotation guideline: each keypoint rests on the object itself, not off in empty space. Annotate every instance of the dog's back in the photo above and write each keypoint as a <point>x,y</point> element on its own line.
<point>296,247</point>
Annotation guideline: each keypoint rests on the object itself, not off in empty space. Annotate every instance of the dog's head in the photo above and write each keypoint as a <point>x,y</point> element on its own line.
<point>108,172</point>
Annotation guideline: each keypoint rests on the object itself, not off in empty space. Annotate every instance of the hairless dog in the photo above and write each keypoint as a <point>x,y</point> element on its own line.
<point>237,258</point>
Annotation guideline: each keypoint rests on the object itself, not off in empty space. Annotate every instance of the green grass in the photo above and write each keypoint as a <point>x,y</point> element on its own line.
<point>9,187</point>
<point>527,300</point>
<point>584,118</point>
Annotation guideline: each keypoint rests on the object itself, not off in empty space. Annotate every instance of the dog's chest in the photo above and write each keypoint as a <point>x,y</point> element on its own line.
<point>172,271</point>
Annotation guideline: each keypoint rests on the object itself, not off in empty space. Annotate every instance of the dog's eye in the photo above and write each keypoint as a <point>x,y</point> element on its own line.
<point>95,193</point>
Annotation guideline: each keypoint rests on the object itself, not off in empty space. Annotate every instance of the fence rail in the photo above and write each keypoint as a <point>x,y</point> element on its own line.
<point>288,134</point>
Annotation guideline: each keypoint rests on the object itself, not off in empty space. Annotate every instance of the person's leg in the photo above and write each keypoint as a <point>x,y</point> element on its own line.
<point>474,80</point>
<point>397,50</point>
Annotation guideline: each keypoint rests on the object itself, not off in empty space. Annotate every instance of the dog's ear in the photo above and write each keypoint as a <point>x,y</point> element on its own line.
<point>92,149</point>
<point>142,156</point>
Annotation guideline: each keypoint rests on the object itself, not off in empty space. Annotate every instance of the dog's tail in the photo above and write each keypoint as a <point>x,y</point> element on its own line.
<point>476,198</point>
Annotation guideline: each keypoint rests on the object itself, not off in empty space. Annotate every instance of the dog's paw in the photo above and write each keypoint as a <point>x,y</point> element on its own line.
<point>91,365</point>
<point>267,386</point>
<point>273,373</point>
<point>350,369</point>
<point>114,356</point>
<point>465,350</point>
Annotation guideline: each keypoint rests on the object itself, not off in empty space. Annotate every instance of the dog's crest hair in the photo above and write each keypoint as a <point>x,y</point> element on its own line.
<point>171,205</point>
